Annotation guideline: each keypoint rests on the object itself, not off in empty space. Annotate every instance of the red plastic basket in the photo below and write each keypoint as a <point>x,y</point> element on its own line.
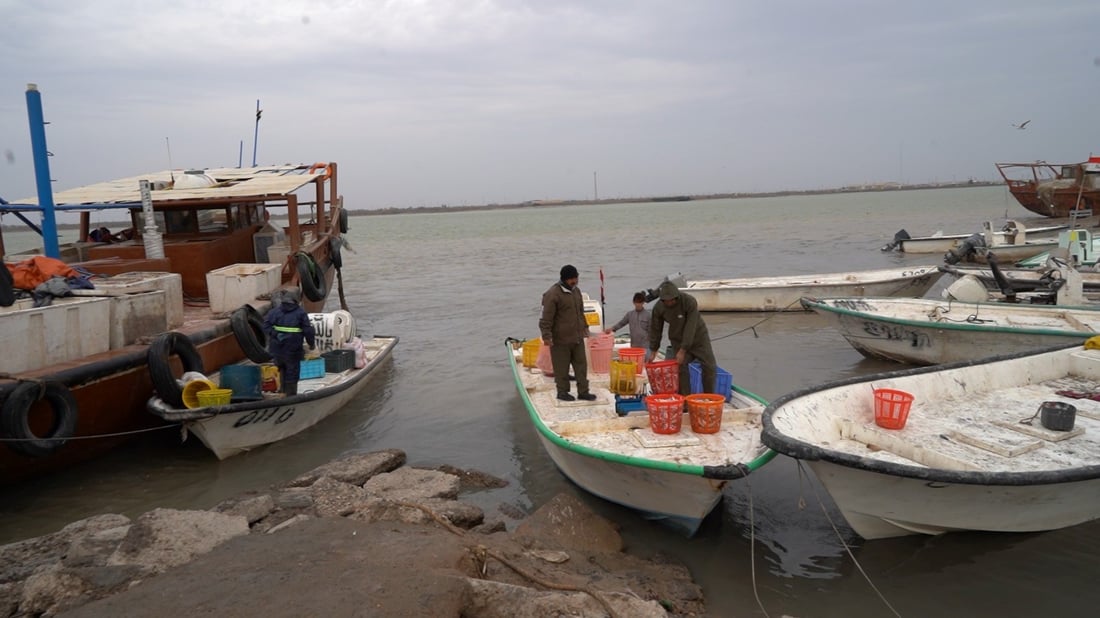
<point>666,412</point>
<point>892,407</point>
<point>637,355</point>
<point>705,411</point>
<point>664,377</point>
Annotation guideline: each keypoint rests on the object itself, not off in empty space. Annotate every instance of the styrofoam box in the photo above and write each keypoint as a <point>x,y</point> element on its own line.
<point>68,329</point>
<point>130,283</point>
<point>232,286</point>
<point>137,315</point>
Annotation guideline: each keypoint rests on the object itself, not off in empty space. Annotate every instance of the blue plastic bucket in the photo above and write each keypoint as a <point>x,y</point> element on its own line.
<point>244,380</point>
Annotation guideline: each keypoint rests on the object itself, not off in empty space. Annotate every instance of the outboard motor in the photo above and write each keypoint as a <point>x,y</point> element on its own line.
<point>899,236</point>
<point>675,278</point>
<point>970,245</point>
<point>1002,282</point>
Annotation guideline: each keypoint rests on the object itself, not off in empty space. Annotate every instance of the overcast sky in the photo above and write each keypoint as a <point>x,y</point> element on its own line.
<point>429,102</point>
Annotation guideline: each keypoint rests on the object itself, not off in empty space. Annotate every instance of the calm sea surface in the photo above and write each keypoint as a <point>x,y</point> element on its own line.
<point>454,285</point>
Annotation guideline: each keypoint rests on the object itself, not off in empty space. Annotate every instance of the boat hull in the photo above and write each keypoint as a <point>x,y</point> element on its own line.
<point>879,506</point>
<point>237,428</point>
<point>784,293</point>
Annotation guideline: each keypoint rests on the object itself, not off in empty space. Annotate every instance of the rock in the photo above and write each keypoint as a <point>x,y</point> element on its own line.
<point>413,485</point>
<point>252,508</point>
<point>490,527</point>
<point>294,499</point>
<point>163,538</point>
<point>9,598</point>
<point>473,479</point>
<point>297,519</point>
<point>18,560</point>
<point>355,469</point>
<point>511,511</point>
<point>489,599</point>
<point>50,590</point>
<point>566,523</point>
<point>332,498</point>
<point>93,549</point>
<point>459,514</point>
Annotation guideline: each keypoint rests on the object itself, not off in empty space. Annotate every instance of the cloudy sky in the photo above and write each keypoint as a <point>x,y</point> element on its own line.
<point>429,102</point>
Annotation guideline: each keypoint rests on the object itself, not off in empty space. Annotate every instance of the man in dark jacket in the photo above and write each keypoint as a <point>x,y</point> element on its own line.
<point>286,326</point>
<point>686,332</point>
<point>563,329</point>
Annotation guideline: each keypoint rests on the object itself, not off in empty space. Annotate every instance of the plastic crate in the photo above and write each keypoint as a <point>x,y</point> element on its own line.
<point>313,368</point>
<point>337,361</point>
<point>626,405</point>
<point>723,381</point>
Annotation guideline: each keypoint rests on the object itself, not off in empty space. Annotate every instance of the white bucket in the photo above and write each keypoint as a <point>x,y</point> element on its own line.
<point>334,329</point>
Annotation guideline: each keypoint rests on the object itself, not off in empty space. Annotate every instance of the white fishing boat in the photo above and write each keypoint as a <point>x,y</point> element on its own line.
<point>1006,444</point>
<point>1024,279</point>
<point>977,247</point>
<point>930,332</point>
<point>234,427</point>
<point>676,477</point>
<point>783,293</point>
<point>940,243</point>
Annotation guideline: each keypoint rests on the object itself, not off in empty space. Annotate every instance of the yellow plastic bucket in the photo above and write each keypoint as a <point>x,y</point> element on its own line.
<point>191,392</point>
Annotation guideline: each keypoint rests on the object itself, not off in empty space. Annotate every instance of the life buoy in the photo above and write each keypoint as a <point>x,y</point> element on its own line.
<point>311,277</point>
<point>343,216</point>
<point>7,290</point>
<point>164,382</point>
<point>15,418</point>
<point>248,328</point>
<point>317,166</point>
<point>334,253</point>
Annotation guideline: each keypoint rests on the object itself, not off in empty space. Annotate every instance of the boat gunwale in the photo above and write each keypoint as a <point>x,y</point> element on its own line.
<point>779,441</point>
<point>784,281</point>
<point>723,472</point>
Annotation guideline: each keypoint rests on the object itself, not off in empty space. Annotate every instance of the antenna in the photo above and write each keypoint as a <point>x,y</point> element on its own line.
<point>171,173</point>
<point>256,133</point>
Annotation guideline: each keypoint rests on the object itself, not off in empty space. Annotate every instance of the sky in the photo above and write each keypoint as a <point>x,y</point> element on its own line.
<point>457,102</point>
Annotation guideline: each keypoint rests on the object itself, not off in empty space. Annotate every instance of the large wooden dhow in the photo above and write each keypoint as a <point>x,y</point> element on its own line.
<point>676,478</point>
<point>1055,190</point>
<point>976,451</point>
<point>79,383</point>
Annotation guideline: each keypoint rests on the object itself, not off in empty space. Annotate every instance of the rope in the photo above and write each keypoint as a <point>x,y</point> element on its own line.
<point>340,289</point>
<point>840,537</point>
<point>752,550</point>
<point>95,437</point>
<point>753,326</point>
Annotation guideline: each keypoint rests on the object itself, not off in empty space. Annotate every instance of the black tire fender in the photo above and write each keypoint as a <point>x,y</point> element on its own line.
<point>343,220</point>
<point>311,277</point>
<point>15,418</point>
<point>334,253</point>
<point>7,288</point>
<point>248,329</point>
<point>164,383</point>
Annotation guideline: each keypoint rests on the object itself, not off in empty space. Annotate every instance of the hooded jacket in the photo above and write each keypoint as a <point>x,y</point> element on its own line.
<point>562,321</point>
<point>287,326</point>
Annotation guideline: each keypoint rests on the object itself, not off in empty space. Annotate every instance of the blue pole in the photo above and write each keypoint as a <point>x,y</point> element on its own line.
<point>42,172</point>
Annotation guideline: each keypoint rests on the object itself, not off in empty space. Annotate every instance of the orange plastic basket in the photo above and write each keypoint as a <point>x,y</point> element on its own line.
<point>666,412</point>
<point>892,407</point>
<point>705,411</point>
<point>637,355</point>
<point>664,377</point>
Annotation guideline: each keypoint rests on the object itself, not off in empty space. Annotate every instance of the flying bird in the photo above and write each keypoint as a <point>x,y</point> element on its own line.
<point>1021,125</point>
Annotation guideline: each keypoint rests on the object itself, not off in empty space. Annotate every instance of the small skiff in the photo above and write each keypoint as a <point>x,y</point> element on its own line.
<point>677,477</point>
<point>942,243</point>
<point>240,426</point>
<point>976,451</point>
<point>783,293</point>
<point>929,332</point>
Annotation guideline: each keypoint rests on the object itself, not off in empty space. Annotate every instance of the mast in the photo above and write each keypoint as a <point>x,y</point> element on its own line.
<point>42,172</point>
<point>256,133</point>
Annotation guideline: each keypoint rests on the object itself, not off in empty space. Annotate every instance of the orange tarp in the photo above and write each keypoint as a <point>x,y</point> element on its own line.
<point>26,275</point>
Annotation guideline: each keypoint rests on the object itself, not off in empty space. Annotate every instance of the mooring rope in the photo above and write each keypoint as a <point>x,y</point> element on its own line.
<point>95,437</point>
<point>840,537</point>
<point>752,550</point>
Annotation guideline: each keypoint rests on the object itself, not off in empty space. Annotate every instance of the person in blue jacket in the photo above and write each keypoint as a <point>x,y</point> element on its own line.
<point>287,325</point>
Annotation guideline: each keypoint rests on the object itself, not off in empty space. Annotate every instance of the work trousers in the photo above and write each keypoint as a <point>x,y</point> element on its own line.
<point>705,356</point>
<point>289,369</point>
<point>562,356</point>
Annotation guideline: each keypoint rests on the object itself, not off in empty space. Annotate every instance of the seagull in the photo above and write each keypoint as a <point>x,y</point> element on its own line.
<point>1021,125</point>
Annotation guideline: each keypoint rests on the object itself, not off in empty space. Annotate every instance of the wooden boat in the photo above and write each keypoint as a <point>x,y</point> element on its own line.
<point>942,243</point>
<point>783,293</point>
<point>236,427</point>
<point>1055,190</point>
<point>677,478</point>
<point>930,332</point>
<point>967,457</point>
<point>218,251</point>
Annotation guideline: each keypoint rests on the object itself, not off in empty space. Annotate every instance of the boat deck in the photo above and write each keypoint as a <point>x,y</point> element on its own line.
<point>596,425</point>
<point>983,432</point>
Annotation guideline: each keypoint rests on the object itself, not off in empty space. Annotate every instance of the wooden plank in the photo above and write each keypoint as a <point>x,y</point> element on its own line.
<point>894,442</point>
<point>1038,431</point>
<point>648,439</point>
<point>1003,443</point>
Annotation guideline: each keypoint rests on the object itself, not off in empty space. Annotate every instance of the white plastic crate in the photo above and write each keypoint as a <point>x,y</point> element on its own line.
<point>232,286</point>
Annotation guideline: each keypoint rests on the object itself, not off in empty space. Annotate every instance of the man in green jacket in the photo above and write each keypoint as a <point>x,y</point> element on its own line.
<point>686,331</point>
<point>563,329</point>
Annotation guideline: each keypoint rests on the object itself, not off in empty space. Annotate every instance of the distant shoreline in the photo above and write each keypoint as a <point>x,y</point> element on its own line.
<point>877,188</point>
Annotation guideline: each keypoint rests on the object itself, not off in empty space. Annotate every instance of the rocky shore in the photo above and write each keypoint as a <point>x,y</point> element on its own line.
<point>365,535</point>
